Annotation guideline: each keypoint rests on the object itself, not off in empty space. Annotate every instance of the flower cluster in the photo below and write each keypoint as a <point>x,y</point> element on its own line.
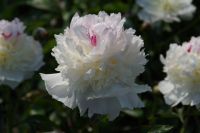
<point>166,10</point>
<point>98,63</point>
<point>182,65</point>
<point>20,54</point>
<point>99,60</point>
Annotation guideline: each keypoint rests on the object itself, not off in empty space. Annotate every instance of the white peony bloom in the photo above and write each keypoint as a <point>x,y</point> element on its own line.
<point>20,54</point>
<point>166,10</point>
<point>98,63</point>
<point>182,65</point>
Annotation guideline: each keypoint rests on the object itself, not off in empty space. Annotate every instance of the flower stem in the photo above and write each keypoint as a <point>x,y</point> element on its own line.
<point>9,112</point>
<point>1,119</point>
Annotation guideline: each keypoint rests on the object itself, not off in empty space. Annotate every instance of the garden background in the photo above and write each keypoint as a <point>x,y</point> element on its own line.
<point>30,109</point>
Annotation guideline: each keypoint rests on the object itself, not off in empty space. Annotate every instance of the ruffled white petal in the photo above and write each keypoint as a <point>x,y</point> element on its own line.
<point>55,85</point>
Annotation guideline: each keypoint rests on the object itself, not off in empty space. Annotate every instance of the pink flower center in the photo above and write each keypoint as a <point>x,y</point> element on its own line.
<point>93,40</point>
<point>6,35</point>
<point>193,48</point>
<point>189,49</point>
<point>18,33</point>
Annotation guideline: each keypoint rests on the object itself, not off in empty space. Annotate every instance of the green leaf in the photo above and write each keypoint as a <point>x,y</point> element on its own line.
<point>160,129</point>
<point>134,113</point>
<point>50,5</point>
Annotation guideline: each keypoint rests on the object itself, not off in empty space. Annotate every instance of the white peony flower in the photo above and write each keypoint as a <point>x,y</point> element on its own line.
<point>20,54</point>
<point>166,10</point>
<point>98,63</point>
<point>182,65</point>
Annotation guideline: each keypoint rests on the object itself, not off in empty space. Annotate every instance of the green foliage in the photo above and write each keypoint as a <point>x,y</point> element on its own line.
<point>29,108</point>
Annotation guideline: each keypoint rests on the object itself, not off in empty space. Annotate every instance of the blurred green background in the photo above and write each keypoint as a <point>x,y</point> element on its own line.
<point>29,108</point>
